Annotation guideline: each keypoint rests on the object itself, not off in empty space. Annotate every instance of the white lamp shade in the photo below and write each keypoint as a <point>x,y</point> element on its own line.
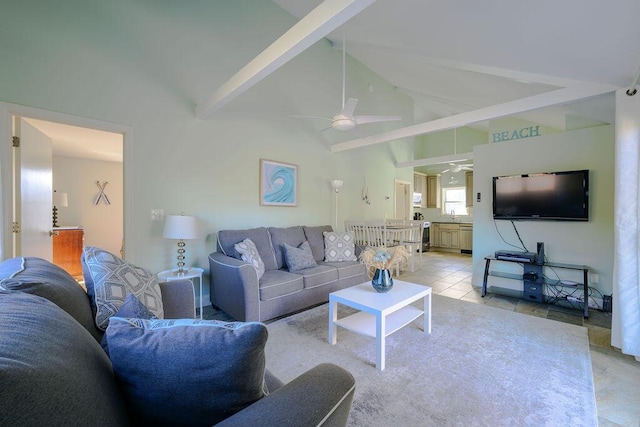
<point>336,184</point>
<point>180,227</point>
<point>60,199</point>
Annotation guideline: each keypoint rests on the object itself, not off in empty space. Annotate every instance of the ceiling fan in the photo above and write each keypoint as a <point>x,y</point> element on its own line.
<point>345,120</point>
<point>456,167</point>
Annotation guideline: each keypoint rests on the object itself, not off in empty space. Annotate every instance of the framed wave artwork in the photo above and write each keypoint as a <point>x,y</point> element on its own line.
<point>278,183</point>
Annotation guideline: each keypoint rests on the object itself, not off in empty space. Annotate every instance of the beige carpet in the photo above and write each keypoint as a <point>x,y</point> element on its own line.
<point>481,366</point>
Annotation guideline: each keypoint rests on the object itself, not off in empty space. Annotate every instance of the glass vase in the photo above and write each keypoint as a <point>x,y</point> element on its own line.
<point>382,281</point>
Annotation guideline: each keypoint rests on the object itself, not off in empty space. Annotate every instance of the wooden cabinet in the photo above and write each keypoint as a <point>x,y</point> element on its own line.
<point>466,238</point>
<point>67,249</point>
<point>420,186</point>
<point>434,235</point>
<point>468,180</point>
<point>433,191</point>
<point>449,236</point>
<point>452,237</point>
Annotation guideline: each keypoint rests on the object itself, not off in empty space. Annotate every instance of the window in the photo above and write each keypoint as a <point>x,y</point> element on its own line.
<point>454,200</point>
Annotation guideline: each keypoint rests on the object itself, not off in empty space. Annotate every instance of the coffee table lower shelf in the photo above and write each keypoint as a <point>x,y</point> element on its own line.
<point>365,323</point>
<point>380,314</point>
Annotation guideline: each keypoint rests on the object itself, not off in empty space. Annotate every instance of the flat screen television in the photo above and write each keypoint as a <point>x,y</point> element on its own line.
<point>560,196</point>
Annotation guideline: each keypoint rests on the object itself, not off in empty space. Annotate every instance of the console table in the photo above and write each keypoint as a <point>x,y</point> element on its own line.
<point>533,280</point>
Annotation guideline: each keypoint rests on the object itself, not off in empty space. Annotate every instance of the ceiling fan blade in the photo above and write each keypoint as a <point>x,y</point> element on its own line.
<point>372,119</point>
<point>445,171</point>
<point>349,107</point>
<point>296,116</point>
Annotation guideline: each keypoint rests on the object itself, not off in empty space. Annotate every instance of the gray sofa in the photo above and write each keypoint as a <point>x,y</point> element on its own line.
<point>236,289</point>
<point>53,370</point>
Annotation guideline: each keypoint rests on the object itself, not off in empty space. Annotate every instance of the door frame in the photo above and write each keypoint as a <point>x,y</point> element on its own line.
<point>7,111</point>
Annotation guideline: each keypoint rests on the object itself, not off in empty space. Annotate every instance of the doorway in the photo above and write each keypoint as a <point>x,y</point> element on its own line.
<point>85,154</point>
<point>403,199</point>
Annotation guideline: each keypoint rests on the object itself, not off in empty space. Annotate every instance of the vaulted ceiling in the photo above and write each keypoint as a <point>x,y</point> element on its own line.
<point>467,61</point>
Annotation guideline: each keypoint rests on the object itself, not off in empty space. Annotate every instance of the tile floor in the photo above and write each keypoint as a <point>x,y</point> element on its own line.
<point>616,376</point>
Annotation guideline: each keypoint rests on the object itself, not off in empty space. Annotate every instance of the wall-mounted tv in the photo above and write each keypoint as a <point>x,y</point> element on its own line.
<point>562,196</point>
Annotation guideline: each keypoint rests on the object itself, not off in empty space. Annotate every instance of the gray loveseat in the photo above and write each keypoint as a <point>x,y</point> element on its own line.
<point>53,371</point>
<point>236,289</point>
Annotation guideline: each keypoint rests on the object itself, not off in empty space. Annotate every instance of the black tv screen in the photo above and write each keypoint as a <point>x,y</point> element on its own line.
<point>542,196</point>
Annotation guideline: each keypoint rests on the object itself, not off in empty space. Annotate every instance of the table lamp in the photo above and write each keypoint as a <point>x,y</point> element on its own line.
<point>181,227</point>
<point>59,199</point>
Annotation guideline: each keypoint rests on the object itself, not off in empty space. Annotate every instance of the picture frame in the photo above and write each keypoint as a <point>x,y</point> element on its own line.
<point>278,183</point>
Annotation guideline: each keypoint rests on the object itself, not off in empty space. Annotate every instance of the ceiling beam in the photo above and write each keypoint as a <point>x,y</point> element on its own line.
<point>460,157</point>
<point>325,18</point>
<point>547,99</point>
<point>515,75</point>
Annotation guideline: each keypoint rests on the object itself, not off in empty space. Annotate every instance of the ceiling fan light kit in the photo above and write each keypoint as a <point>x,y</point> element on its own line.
<point>343,124</point>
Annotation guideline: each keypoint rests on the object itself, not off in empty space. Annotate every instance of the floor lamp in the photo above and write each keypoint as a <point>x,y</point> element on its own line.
<point>336,184</point>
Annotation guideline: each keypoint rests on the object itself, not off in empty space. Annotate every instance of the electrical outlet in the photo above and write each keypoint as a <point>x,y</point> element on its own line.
<point>594,278</point>
<point>157,214</point>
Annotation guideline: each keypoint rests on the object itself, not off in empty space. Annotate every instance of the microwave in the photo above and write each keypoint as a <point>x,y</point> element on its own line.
<point>417,199</point>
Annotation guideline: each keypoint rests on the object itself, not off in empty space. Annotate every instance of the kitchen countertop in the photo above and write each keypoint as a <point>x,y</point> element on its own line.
<point>452,222</point>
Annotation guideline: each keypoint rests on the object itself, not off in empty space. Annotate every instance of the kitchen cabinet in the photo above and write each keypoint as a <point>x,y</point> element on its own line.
<point>68,243</point>
<point>468,181</point>
<point>452,237</point>
<point>420,186</point>
<point>449,236</point>
<point>433,191</point>
<point>434,235</point>
<point>466,238</point>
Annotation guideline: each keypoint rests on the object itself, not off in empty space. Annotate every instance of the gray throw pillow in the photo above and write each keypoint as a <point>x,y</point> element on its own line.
<point>249,253</point>
<point>131,308</point>
<point>187,372</point>
<point>109,279</point>
<point>299,258</point>
<point>339,246</point>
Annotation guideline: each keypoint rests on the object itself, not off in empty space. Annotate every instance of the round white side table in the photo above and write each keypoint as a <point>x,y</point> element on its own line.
<point>190,274</point>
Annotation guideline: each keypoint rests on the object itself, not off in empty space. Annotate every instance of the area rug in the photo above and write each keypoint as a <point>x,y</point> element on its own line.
<point>481,366</point>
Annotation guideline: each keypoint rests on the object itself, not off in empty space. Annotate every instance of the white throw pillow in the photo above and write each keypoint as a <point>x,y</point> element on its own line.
<point>339,246</point>
<point>249,253</point>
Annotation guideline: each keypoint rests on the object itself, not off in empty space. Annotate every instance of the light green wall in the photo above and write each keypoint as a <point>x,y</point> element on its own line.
<point>102,222</point>
<point>146,65</point>
<point>509,125</point>
<point>589,243</point>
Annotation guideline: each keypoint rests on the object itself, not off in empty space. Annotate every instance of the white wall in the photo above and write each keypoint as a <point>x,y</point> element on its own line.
<point>147,65</point>
<point>103,224</point>
<point>589,243</point>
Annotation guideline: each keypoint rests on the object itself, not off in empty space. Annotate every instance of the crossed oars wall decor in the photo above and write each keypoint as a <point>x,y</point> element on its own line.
<point>102,195</point>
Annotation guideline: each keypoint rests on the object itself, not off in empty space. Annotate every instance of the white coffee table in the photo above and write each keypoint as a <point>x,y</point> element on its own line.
<point>380,314</point>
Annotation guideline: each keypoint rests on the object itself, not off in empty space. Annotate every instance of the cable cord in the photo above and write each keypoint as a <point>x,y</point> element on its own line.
<point>502,237</point>
<point>519,238</point>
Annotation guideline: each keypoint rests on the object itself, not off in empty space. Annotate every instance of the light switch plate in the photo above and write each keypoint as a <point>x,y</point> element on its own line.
<point>157,214</point>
